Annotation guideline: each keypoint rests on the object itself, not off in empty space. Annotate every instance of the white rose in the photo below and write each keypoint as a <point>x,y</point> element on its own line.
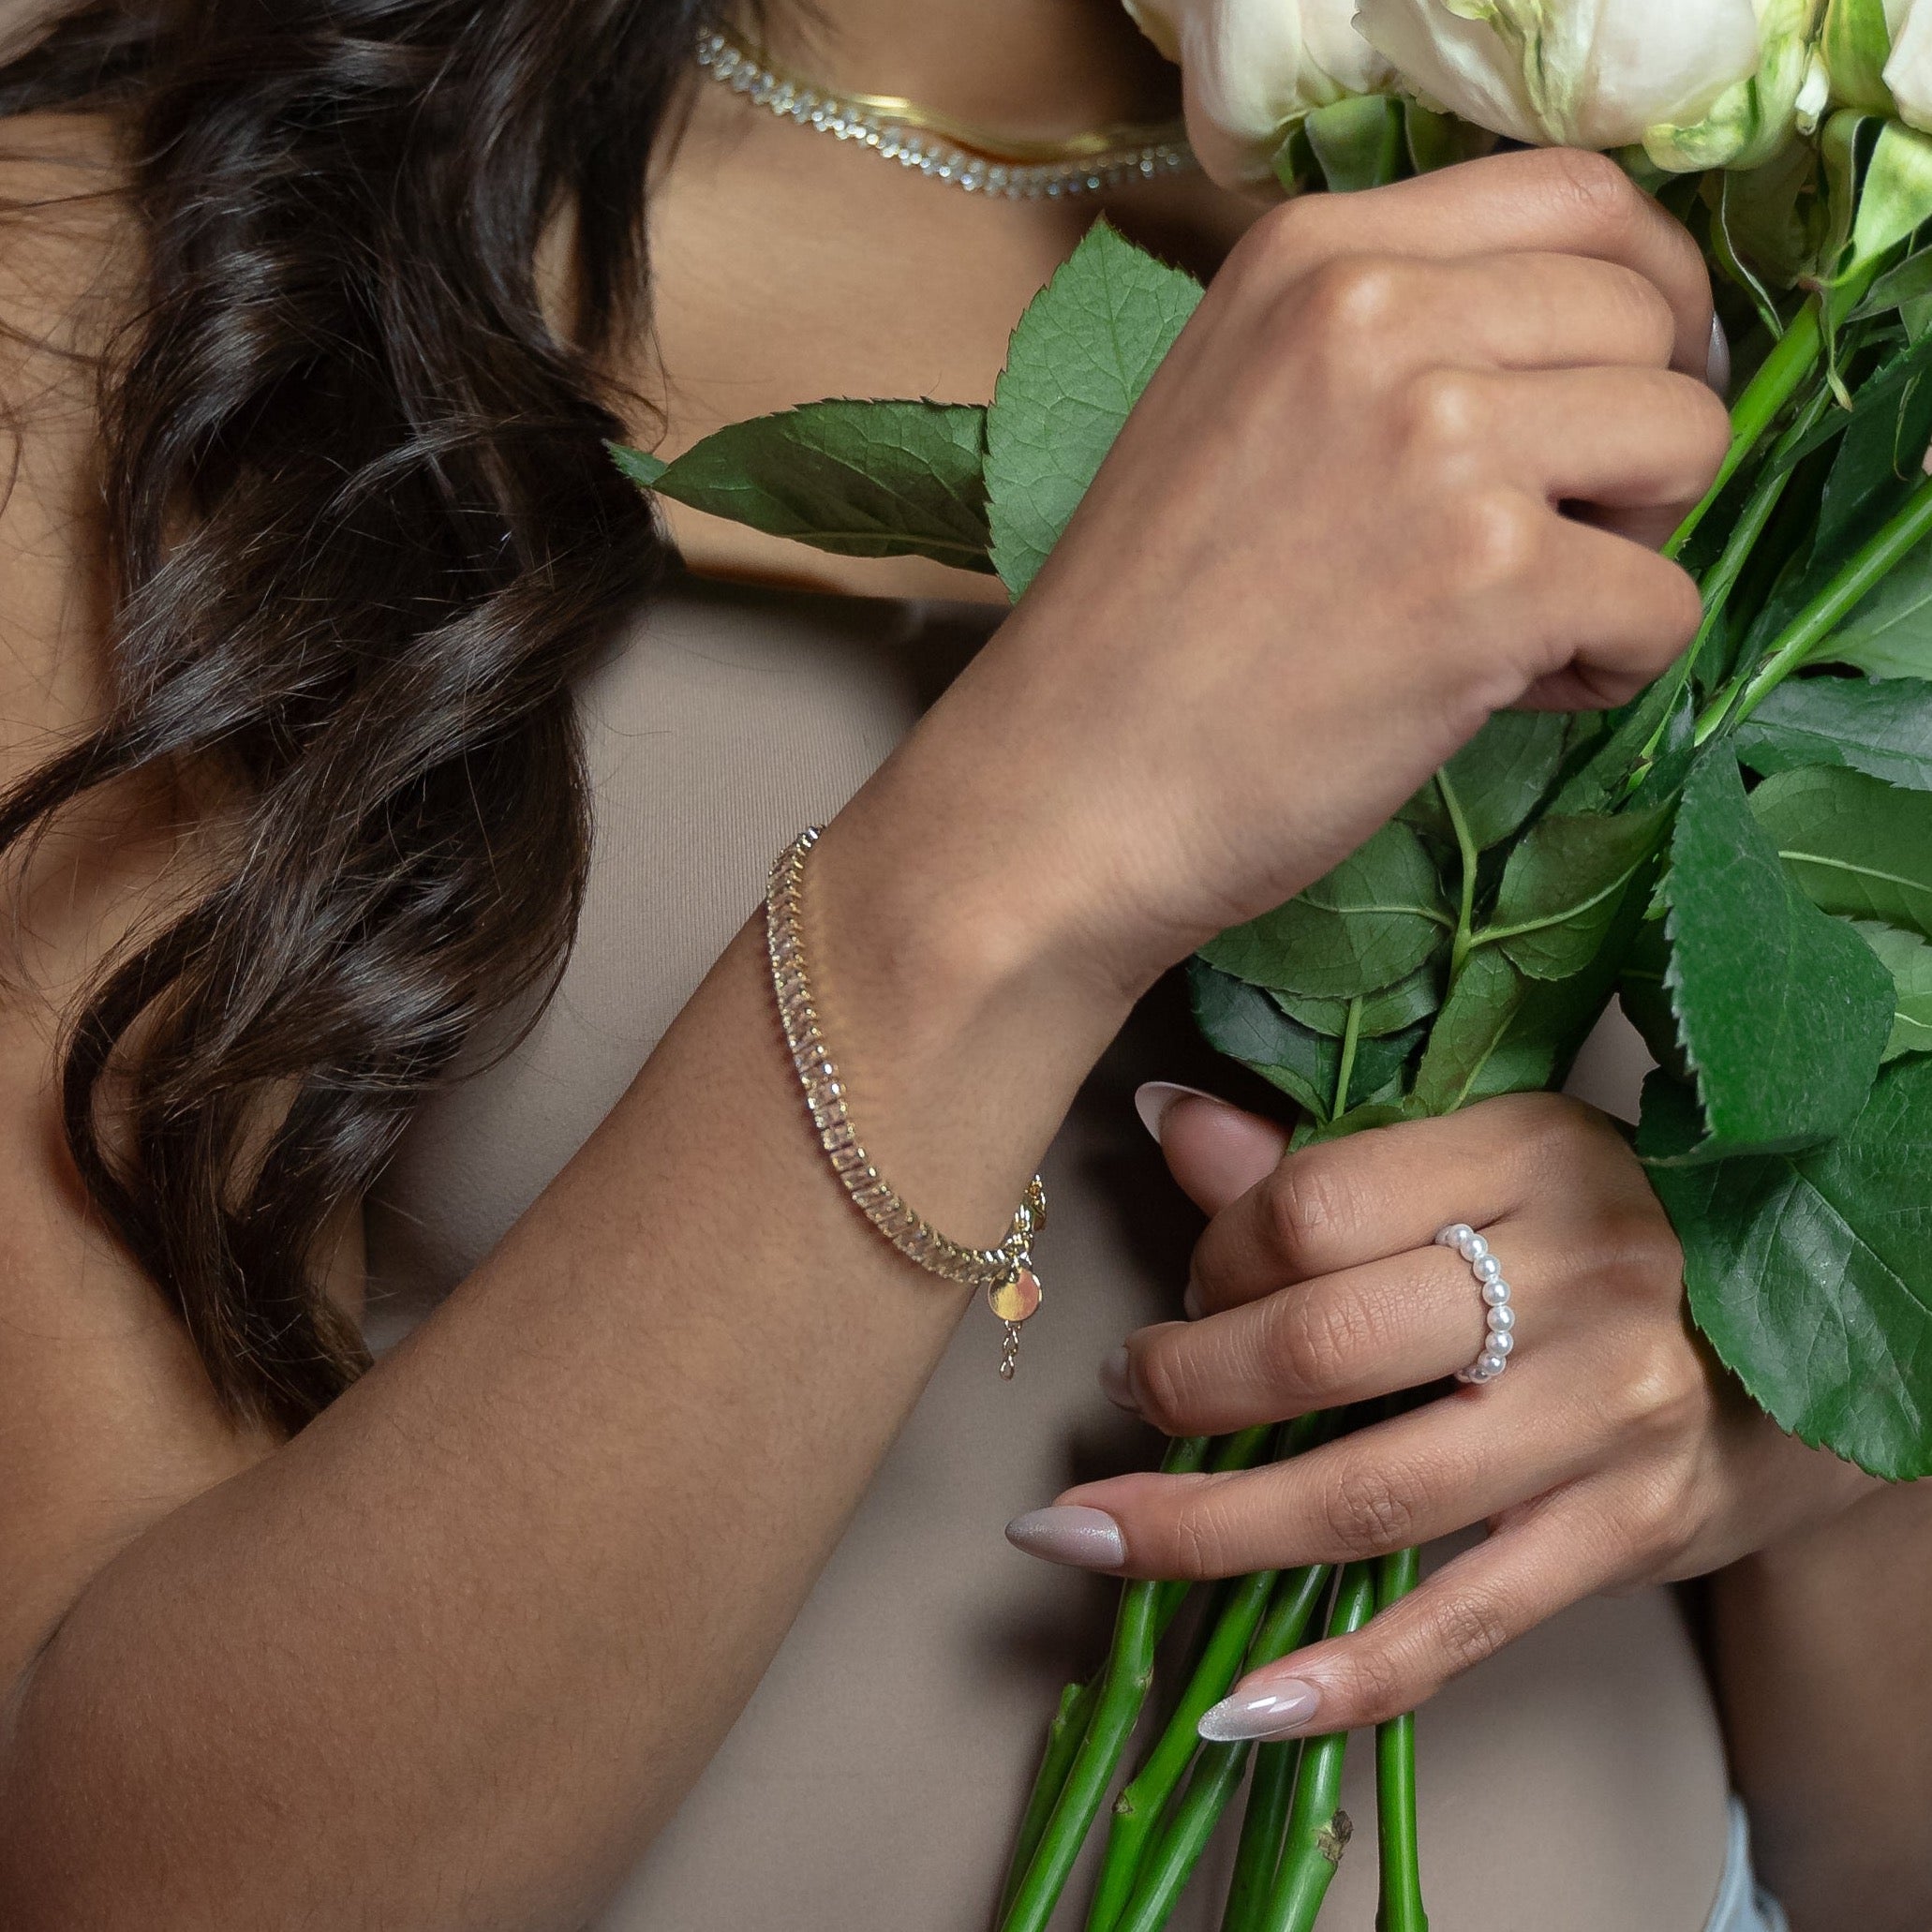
<point>1252,68</point>
<point>1880,52</point>
<point>1700,83</point>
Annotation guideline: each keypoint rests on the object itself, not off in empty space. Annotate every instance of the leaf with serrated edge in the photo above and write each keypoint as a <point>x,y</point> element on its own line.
<point>1909,960</point>
<point>1811,1274</point>
<point>1387,1010</point>
<point>1889,634</point>
<point>1082,353</point>
<point>1467,1032</point>
<point>1241,1021</point>
<point>1782,1012</point>
<point>1497,779</point>
<point>1859,847</point>
<point>1881,726</point>
<point>1563,886</point>
<point>859,479</point>
<point>1372,921</point>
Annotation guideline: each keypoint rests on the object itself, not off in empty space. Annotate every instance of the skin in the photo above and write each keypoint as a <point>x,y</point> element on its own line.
<point>565,1524</point>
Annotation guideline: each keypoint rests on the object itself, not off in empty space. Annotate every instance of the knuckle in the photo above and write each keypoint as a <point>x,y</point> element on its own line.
<point>1649,1528</point>
<point>1305,1203</point>
<point>1637,1251</point>
<point>1444,414</point>
<point>1355,299</point>
<point>1381,1687</point>
<point>1317,1340</point>
<point>1204,1540</point>
<point>1470,1628</point>
<point>1592,191</point>
<point>1647,316</point>
<point>1367,1514</point>
<point>1495,539</point>
<point>1661,1391</point>
<point>1163,1387</point>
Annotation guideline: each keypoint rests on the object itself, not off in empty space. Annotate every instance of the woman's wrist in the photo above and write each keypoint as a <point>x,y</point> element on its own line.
<point>962,1016</point>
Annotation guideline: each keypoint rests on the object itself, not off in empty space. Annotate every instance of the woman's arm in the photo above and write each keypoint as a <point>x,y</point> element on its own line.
<point>446,1659</point>
<point>1822,1646</point>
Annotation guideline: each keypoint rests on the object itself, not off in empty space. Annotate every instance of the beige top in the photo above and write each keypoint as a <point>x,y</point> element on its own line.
<point>1574,1784</point>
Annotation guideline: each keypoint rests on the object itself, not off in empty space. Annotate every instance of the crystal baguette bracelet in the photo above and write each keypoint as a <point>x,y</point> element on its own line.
<point>1005,1274</point>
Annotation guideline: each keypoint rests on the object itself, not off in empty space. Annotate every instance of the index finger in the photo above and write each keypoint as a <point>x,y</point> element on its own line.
<point>1542,200</point>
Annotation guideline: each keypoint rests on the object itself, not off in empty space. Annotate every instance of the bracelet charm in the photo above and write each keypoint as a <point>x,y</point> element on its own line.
<point>1005,1272</point>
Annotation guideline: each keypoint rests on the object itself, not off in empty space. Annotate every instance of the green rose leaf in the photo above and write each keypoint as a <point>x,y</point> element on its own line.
<point>1495,781</point>
<point>1082,353</point>
<point>1909,960</point>
<point>1890,633</point>
<point>1881,726</point>
<point>1241,1021</point>
<point>1371,922</point>
<point>1782,1013</point>
<point>1387,1010</point>
<point>1468,1034</point>
<point>1562,885</point>
<point>1812,1272</point>
<point>860,479</point>
<point>1859,847</point>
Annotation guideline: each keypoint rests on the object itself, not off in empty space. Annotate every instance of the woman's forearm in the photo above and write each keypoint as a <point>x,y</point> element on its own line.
<point>1823,1649</point>
<point>446,1659</point>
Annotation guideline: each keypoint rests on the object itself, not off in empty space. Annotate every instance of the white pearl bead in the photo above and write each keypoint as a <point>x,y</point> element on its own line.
<point>1501,1342</point>
<point>1495,1292</point>
<point>1486,1267</point>
<point>1472,1247</point>
<point>1494,1363</point>
<point>1477,1373</point>
<point>1502,1317</point>
<point>1453,1235</point>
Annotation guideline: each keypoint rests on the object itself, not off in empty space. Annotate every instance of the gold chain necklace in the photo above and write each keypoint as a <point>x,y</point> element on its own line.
<point>948,150</point>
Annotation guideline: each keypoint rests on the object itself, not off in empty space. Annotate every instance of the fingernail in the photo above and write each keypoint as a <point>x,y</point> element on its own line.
<point>1152,1100</point>
<point>1283,1709</point>
<point>1718,370</point>
<point>1190,1303</point>
<point>1067,1532</point>
<point>1117,1381</point>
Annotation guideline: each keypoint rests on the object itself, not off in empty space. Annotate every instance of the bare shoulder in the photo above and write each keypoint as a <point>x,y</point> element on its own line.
<point>105,1421</point>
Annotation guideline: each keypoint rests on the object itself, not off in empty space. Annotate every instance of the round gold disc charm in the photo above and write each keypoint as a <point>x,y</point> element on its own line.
<point>1015,1301</point>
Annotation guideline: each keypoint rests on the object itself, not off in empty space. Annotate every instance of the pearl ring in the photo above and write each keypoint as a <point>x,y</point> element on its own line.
<point>1500,1318</point>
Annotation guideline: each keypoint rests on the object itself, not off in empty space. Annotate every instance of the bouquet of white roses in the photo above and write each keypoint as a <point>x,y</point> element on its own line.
<point>1742,855</point>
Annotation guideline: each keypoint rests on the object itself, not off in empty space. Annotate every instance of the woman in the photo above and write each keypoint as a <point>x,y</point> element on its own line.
<point>318,314</point>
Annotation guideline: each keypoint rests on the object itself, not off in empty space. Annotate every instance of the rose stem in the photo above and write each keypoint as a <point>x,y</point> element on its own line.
<point>1063,1735</point>
<point>1124,1681</point>
<point>1139,1810</point>
<point>1167,1865</point>
<point>1258,1855</point>
<point>1816,622</point>
<point>1319,1830</point>
<point>1400,1909</point>
<point>1068,1733</point>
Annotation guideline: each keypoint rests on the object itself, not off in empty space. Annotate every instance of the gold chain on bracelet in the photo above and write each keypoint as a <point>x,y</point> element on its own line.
<point>1005,1274</point>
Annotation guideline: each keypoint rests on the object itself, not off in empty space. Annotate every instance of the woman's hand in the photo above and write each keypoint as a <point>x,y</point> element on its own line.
<point>1403,467</point>
<point>1614,1452</point>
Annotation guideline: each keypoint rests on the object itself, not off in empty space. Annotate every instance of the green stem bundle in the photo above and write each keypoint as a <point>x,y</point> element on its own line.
<point>1318,1829</point>
<point>1401,1908</point>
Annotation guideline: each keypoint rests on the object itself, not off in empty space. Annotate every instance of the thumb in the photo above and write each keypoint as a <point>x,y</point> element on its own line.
<point>1215,1151</point>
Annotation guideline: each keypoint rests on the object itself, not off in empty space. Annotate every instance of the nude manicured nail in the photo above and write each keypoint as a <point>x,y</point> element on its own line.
<point>1117,1381</point>
<point>1190,1303</point>
<point>1151,1101</point>
<point>1718,370</point>
<point>1069,1533</point>
<point>1282,1709</point>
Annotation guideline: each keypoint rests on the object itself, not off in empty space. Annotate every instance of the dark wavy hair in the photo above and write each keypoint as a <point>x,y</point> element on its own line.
<point>362,533</point>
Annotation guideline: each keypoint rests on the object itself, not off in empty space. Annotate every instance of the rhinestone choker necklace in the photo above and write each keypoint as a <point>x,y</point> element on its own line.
<point>949,150</point>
